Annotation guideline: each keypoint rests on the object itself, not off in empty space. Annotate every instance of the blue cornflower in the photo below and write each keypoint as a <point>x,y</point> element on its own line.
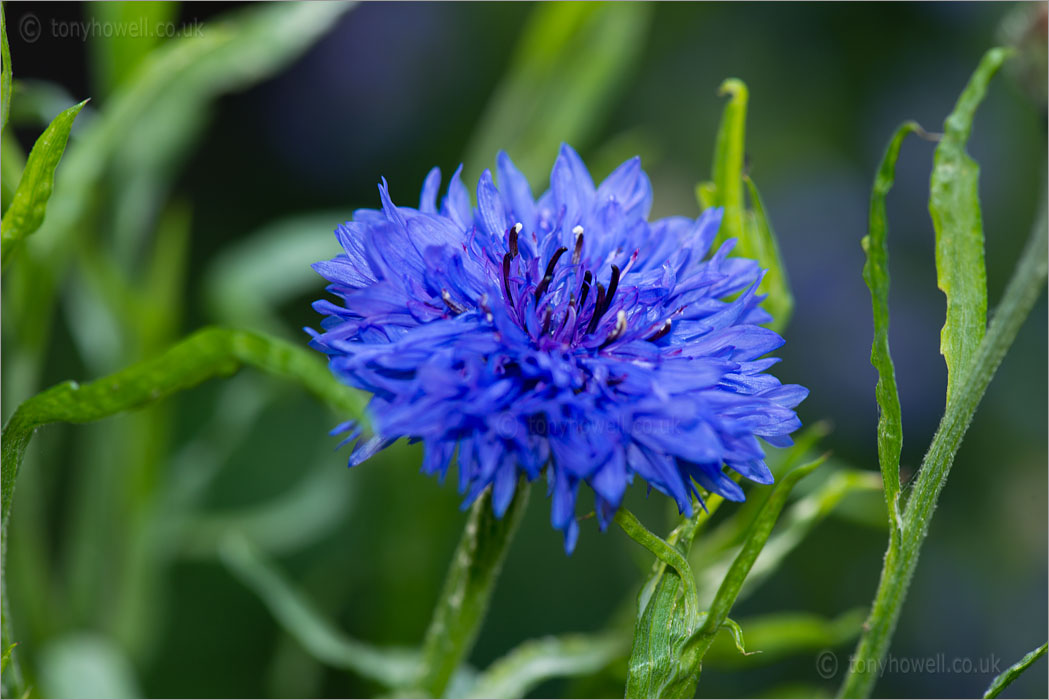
<point>567,332</point>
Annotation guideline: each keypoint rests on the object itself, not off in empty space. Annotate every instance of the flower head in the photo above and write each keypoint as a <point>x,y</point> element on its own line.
<point>566,333</point>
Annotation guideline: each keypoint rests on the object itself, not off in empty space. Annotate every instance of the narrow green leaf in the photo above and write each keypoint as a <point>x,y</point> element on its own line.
<point>212,352</point>
<point>26,212</point>
<point>567,67</point>
<point>954,205</point>
<point>901,559</point>
<point>5,70</point>
<point>876,274</point>
<point>735,632</point>
<point>779,635</point>
<point>538,660</point>
<point>303,622</point>
<point>757,535</point>
<point>1002,681</point>
<point>728,162</point>
<point>760,240</point>
<point>467,589</point>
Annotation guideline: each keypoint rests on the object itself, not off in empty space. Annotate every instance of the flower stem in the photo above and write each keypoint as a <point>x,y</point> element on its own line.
<point>902,556</point>
<point>467,589</point>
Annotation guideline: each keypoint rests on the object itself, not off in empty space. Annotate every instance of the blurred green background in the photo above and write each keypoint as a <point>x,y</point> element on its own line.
<point>214,195</point>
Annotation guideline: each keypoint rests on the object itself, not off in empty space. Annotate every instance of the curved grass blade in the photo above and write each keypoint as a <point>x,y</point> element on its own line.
<point>29,203</point>
<point>390,667</point>
<point>954,205</point>
<point>538,660</point>
<point>1002,681</point>
<point>876,275</point>
<point>212,352</point>
<point>566,69</point>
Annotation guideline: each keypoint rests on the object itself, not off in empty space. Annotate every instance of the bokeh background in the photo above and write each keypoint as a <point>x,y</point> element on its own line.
<point>112,576</point>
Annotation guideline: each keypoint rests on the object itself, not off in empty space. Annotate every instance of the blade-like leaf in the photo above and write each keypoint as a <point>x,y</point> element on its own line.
<point>1002,681</point>
<point>538,660</point>
<point>299,618</point>
<point>29,203</point>
<point>760,238</point>
<point>876,274</point>
<point>954,205</point>
<point>750,227</point>
<point>728,163</point>
<point>212,352</point>
<point>5,71</point>
<point>570,61</point>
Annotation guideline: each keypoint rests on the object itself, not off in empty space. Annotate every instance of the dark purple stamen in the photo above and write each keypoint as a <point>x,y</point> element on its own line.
<point>506,277</point>
<point>612,286</point>
<point>619,329</point>
<point>587,277</point>
<point>663,330</point>
<point>599,309</point>
<point>548,276</point>
<point>514,231</point>
<point>546,321</point>
<point>577,254</point>
<point>452,306</point>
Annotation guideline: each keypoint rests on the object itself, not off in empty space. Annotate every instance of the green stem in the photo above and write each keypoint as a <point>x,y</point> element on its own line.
<point>902,556</point>
<point>467,589</point>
